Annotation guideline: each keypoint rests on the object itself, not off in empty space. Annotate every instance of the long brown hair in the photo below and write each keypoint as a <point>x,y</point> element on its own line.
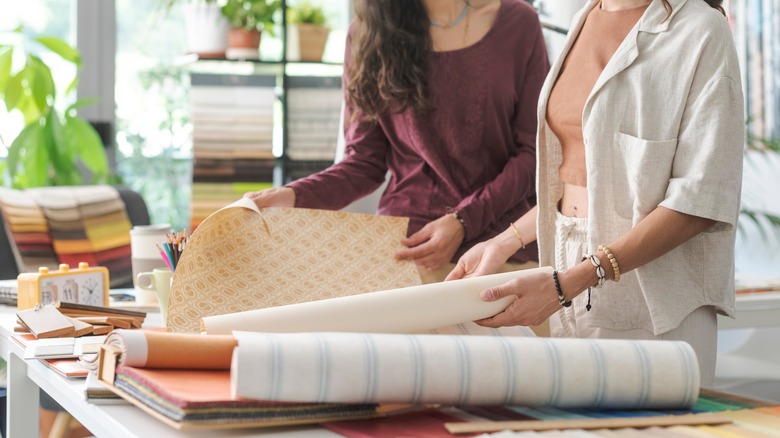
<point>717,4</point>
<point>390,52</point>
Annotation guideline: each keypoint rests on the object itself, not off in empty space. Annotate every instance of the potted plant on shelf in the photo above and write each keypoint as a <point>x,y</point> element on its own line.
<point>307,32</point>
<point>205,27</point>
<point>248,18</point>
<point>55,146</point>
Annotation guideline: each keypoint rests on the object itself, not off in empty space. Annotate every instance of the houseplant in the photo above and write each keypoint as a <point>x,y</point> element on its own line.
<point>758,234</point>
<point>248,18</point>
<point>758,151</point>
<point>56,145</point>
<point>307,32</point>
<point>205,27</point>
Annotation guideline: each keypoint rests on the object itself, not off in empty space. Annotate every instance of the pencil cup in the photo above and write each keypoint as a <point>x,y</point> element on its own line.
<point>155,284</point>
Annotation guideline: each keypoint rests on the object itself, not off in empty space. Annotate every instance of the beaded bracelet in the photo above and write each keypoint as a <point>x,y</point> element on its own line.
<point>558,289</point>
<point>613,261</point>
<point>600,274</point>
<point>517,234</point>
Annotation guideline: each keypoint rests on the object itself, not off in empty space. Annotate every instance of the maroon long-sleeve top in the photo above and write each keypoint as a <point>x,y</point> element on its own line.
<point>474,153</point>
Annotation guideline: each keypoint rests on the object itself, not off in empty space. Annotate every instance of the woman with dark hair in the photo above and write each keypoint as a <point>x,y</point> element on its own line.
<point>442,94</point>
<point>641,130</point>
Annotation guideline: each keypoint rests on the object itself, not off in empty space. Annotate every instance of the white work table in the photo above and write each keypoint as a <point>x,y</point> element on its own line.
<point>26,377</point>
<point>757,310</point>
<point>110,421</point>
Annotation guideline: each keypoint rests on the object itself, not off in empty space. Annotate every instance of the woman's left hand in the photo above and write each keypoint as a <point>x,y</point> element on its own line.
<point>535,300</point>
<point>435,244</point>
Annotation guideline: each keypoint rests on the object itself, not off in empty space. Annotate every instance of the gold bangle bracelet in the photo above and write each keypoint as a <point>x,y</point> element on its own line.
<point>613,261</point>
<point>517,234</point>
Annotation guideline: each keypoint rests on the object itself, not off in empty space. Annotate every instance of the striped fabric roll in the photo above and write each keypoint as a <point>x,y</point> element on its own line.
<point>460,370</point>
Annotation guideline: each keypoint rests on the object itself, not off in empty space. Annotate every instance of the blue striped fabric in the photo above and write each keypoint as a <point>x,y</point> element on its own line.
<point>456,369</point>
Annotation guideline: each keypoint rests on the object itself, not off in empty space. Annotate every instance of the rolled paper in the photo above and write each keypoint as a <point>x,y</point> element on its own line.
<point>150,349</point>
<point>464,370</point>
<point>413,309</point>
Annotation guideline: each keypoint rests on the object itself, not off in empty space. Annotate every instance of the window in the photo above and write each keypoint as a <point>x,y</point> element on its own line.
<point>152,108</point>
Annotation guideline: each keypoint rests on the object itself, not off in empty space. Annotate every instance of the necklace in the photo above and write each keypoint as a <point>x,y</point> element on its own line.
<point>466,26</point>
<point>456,21</point>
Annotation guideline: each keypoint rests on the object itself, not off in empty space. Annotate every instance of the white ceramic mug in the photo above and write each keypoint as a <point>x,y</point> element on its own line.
<point>155,284</point>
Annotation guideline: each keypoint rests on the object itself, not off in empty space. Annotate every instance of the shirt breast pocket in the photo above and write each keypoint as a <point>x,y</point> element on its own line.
<point>648,169</point>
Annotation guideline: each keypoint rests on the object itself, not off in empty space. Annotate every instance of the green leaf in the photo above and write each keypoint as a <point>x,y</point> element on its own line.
<point>73,84</point>
<point>61,156</point>
<point>6,58</point>
<point>60,47</point>
<point>306,12</point>
<point>15,91</point>
<point>28,158</point>
<point>81,103</point>
<point>19,96</point>
<point>3,166</point>
<point>29,110</point>
<point>40,83</point>
<point>85,141</point>
<point>767,223</point>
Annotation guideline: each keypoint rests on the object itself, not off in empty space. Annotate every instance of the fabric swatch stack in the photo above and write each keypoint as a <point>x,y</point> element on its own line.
<point>232,120</point>
<point>70,225</point>
<point>213,196</point>
<point>26,225</point>
<point>313,123</point>
<point>88,224</point>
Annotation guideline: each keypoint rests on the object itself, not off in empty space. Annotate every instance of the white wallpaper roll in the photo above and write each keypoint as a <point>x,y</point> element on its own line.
<point>474,370</point>
<point>412,309</point>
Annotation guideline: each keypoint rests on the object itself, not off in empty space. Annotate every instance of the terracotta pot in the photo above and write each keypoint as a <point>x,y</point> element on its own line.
<point>306,42</point>
<point>243,44</point>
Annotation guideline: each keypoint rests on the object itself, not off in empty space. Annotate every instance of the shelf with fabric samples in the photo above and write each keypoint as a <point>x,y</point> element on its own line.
<point>287,129</point>
<point>265,123</point>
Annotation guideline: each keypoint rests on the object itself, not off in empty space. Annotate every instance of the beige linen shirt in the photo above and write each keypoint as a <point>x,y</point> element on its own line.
<point>663,126</point>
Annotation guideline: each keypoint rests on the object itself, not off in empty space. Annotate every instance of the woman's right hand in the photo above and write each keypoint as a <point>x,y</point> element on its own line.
<point>275,197</point>
<point>482,259</point>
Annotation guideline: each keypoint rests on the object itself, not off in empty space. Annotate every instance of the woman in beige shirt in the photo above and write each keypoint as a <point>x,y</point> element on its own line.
<point>639,164</point>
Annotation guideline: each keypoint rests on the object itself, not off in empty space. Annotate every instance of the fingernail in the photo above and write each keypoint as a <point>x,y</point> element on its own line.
<point>486,295</point>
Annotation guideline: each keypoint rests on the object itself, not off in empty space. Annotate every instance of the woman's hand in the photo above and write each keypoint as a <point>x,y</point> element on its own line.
<point>482,259</point>
<point>276,197</point>
<point>535,300</point>
<point>435,244</point>
<point>485,257</point>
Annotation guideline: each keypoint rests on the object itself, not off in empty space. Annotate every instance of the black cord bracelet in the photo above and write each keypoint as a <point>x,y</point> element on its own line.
<point>561,298</point>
